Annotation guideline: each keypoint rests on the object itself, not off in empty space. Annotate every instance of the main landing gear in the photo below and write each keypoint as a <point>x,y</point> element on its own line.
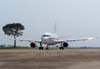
<point>61,48</point>
<point>41,48</point>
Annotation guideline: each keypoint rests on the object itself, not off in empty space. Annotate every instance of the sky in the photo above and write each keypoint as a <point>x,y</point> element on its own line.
<point>74,18</point>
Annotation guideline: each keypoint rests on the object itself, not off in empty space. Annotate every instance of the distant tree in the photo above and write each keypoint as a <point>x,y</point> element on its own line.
<point>14,29</point>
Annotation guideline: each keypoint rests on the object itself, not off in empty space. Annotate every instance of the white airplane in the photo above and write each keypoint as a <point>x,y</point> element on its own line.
<point>53,39</point>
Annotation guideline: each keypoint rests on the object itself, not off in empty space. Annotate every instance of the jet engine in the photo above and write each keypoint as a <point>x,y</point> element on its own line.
<point>33,45</point>
<point>65,44</point>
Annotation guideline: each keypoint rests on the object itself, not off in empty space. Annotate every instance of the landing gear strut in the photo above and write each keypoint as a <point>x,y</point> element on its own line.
<point>61,47</point>
<point>41,48</point>
<point>47,47</point>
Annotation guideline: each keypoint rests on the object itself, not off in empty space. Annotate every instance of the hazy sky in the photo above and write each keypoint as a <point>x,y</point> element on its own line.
<point>75,18</point>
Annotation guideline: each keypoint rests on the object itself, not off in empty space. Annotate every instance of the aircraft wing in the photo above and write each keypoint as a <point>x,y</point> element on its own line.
<point>82,39</point>
<point>37,41</point>
<point>74,40</point>
<point>26,40</point>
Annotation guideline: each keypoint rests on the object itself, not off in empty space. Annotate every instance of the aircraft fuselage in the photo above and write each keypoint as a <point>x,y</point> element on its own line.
<point>49,38</point>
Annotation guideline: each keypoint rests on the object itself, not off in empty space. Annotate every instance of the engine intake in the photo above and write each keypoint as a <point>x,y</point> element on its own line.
<point>65,44</point>
<point>33,45</point>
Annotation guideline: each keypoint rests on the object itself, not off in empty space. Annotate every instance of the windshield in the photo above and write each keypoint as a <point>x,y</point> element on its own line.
<point>45,35</point>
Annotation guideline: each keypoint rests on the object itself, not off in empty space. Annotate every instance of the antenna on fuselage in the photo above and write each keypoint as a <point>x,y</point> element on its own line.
<point>55,25</point>
<point>55,28</point>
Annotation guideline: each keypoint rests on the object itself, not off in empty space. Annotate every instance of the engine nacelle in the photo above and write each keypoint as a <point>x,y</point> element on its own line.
<point>65,44</point>
<point>33,45</point>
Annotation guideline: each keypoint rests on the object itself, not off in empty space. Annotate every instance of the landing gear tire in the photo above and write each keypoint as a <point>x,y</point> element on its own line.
<point>47,48</point>
<point>40,48</point>
<point>61,48</point>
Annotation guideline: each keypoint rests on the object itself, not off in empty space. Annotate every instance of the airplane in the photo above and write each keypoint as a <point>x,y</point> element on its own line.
<point>53,39</point>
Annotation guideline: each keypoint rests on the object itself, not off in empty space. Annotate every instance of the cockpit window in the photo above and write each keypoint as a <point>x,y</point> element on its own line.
<point>45,35</point>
